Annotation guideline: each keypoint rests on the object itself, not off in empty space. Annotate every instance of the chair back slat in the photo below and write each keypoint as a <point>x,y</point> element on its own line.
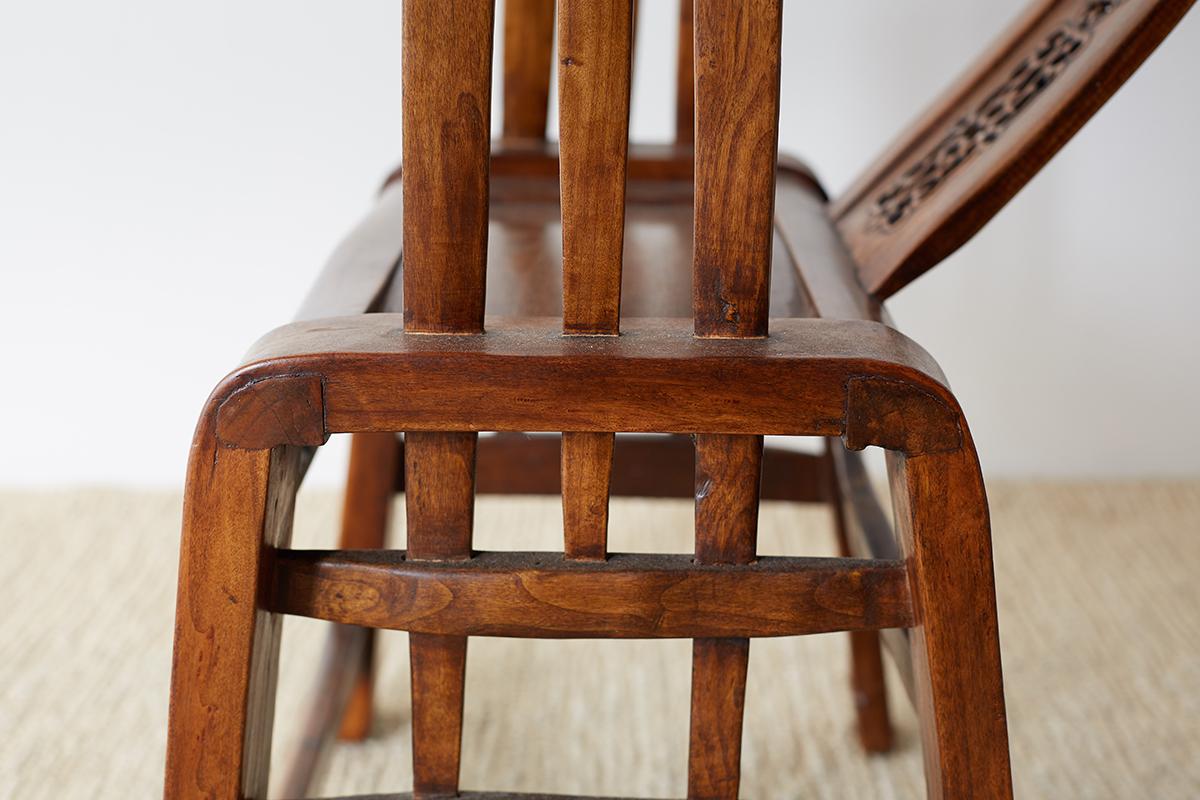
<point>736,66</point>
<point>447,128</point>
<point>594,56</point>
<point>447,123</point>
<point>528,52</point>
<point>685,90</point>
<point>737,134</point>
<point>993,130</point>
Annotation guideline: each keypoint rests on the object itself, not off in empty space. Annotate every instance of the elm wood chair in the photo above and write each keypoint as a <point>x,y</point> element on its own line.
<point>787,335</point>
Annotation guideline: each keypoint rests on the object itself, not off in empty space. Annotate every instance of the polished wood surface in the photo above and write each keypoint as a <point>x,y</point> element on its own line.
<point>375,467</point>
<point>447,124</point>
<point>986,137</point>
<point>627,596</point>
<point>223,674</point>
<point>594,63</point>
<point>485,293</point>
<point>528,53</point>
<point>737,138</point>
<point>642,466</point>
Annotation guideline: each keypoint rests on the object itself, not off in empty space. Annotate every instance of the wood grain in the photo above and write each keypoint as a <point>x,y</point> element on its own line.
<point>996,130</point>
<point>866,649</point>
<point>447,124</point>
<point>685,77</point>
<point>439,665</point>
<point>943,527</point>
<point>737,132</point>
<point>642,466</point>
<point>825,268</point>
<point>594,65</point>
<point>627,596</point>
<point>439,479</point>
<point>728,475</point>
<point>655,377</point>
<point>718,705</point>
<point>587,460</point>
<point>238,504</point>
<point>375,466</point>
<point>440,503</point>
<point>528,52</point>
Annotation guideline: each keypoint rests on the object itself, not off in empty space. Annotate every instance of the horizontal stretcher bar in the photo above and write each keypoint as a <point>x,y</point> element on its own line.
<point>628,596</point>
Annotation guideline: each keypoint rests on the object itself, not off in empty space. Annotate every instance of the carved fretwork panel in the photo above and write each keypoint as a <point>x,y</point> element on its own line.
<point>987,122</point>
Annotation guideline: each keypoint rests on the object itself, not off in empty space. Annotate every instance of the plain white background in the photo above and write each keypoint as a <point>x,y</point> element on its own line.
<point>173,174</point>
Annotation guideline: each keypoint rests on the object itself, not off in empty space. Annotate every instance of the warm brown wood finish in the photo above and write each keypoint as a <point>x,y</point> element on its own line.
<point>656,377</point>
<point>439,481</point>
<point>586,470</point>
<point>718,705</point>
<point>439,664</point>
<point>693,255</point>
<point>627,596</point>
<point>737,134</point>
<point>866,651</point>
<point>238,504</point>
<point>374,470</point>
<point>642,466</point>
<point>528,52</point>
<point>993,130</point>
<point>728,471</point>
<point>737,49</point>
<point>447,118</point>
<point>594,58</point>
<point>943,528</point>
<point>685,76</point>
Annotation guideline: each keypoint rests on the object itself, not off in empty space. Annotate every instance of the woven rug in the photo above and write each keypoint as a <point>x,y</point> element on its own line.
<point>1099,618</point>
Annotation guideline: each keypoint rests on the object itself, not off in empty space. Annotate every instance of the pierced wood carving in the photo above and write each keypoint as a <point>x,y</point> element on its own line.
<point>985,124</point>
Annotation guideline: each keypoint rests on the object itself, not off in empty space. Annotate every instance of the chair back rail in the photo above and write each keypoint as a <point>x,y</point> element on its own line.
<point>993,130</point>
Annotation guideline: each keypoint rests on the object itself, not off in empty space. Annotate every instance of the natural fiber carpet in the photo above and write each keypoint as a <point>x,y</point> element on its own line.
<point>1100,620</point>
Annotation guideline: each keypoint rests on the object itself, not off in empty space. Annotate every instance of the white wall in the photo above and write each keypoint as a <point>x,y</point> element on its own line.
<point>173,174</point>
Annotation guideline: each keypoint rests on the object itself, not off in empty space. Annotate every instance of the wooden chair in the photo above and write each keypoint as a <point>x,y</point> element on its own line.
<point>787,335</point>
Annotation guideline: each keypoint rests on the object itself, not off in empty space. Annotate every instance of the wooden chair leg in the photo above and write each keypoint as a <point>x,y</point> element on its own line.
<point>370,488</point>
<point>728,476</point>
<point>440,500</point>
<point>942,524</point>
<point>226,647</point>
<point>866,650</point>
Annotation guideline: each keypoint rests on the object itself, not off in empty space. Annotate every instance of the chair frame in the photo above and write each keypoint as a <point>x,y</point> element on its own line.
<point>437,373</point>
